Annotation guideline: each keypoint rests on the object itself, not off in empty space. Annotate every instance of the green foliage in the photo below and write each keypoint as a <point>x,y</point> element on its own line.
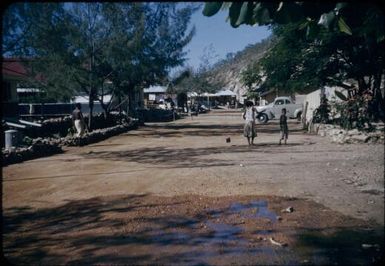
<point>211,8</point>
<point>344,27</point>
<point>291,64</point>
<point>318,43</point>
<point>27,141</point>
<point>341,96</point>
<point>252,75</point>
<point>200,80</point>
<point>311,16</point>
<point>353,113</point>
<point>71,131</point>
<point>297,63</point>
<point>196,81</point>
<point>79,48</point>
<point>322,113</point>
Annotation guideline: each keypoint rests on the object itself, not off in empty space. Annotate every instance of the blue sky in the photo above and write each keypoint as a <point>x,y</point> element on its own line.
<point>224,38</point>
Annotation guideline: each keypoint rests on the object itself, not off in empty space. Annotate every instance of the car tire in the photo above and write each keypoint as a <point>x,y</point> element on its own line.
<point>299,116</point>
<point>263,118</point>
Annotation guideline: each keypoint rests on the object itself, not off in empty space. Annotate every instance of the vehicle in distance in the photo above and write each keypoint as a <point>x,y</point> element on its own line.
<point>274,109</point>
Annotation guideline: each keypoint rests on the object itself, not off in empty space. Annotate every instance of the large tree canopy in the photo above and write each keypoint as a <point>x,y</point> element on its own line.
<point>317,43</point>
<point>309,15</point>
<point>296,63</point>
<point>78,47</point>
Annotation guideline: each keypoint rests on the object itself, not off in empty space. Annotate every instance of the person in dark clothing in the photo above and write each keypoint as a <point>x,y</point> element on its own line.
<point>283,126</point>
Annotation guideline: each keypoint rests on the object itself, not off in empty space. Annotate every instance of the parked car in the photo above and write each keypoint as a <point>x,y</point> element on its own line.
<point>199,107</point>
<point>274,109</point>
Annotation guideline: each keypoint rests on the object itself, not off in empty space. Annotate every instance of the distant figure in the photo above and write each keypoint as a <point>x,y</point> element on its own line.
<point>78,120</point>
<point>190,110</point>
<point>197,107</point>
<point>31,109</point>
<point>283,126</point>
<point>249,116</point>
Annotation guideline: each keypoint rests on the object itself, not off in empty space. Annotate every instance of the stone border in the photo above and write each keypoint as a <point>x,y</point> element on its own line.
<point>52,126</point>
<point>341,136</point>
<point>48,146</point>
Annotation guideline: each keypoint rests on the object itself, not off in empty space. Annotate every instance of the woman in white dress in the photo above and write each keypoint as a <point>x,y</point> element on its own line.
<point>249,130</point>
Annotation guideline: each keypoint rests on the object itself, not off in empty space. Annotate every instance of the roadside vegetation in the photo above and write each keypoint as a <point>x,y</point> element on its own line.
<point>316,45</point>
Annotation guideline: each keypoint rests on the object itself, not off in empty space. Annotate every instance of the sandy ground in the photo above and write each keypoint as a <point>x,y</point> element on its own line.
<point>188,159</point>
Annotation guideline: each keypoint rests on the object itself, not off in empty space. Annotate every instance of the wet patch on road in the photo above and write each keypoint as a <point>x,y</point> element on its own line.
<point>144,229</point>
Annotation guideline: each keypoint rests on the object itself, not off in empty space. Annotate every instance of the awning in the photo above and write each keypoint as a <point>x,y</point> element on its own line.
<point>218,94</point>
<point>155,89</point>
<point>84,99</point>
<point>225,93</point>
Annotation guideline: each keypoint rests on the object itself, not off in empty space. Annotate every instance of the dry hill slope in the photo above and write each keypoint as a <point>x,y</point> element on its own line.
<point>228,71</point>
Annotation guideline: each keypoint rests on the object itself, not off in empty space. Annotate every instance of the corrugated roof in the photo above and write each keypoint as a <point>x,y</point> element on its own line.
<point>15,68</point>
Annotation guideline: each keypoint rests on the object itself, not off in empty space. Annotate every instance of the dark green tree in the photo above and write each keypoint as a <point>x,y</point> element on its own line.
<point>85,46</point>
<point>318,43</point>
<point>309,15</point>
<point>148,40</point>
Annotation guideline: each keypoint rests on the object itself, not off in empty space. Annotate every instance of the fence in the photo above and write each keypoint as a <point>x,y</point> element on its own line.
<point>54,109</point>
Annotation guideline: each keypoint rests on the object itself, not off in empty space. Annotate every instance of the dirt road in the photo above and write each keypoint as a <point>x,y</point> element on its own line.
<point>190,158</point>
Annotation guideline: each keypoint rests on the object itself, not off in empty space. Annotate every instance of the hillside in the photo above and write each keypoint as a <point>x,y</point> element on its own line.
<point>227,71</point>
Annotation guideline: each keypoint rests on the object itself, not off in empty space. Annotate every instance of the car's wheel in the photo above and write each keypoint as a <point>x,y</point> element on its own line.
<point>299,116</point>
<point>263,118</point>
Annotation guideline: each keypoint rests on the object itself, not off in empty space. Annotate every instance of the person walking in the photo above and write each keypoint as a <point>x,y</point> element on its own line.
<point>78,120</point>
<point>249,130</point>
<point>283,126</point>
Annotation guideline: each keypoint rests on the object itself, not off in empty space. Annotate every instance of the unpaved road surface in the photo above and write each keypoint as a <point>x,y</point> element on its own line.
<point>178,193</point>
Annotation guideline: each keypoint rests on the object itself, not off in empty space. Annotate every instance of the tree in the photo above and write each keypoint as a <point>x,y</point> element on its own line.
<point>80,47</point>
<point>88,36</point>
<point>252,76</point>
<point>63,45</point>
<point>25,25</point>
<point>295,63</point>
<point>318,43</point>
<point>208,58</point>
<point>199,81</point>
<point>312,16</point>
<point>152,43</point>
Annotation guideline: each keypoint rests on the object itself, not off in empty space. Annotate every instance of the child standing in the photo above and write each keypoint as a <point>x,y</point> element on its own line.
<point>283,126</point>
<point>249,117</point>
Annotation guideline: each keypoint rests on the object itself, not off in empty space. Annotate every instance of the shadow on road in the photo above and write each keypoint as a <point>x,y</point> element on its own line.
<point>136,229</point>
<point>181,130</point>
<point>184,157</point>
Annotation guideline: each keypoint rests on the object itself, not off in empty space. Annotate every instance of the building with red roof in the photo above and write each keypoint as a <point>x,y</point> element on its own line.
<point>14,72</point>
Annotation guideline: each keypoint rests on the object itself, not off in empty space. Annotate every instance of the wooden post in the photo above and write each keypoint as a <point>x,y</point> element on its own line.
<point>304,115</point>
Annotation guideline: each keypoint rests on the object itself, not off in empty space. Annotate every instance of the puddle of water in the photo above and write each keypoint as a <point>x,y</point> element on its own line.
<point>224,239</point>
<point>225,244</point>
<point>223,232</point>
<point>264,232</point>
<point>258,206</point>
